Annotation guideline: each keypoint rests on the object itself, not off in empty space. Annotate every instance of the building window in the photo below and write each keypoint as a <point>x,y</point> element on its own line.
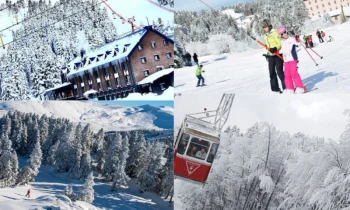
<point>146,72</point>
<point>317,6</point>
<point>105,70</point>
<point>143,60</point>
<point>168,54</point>
<point>166,42</point>
<point>335,2</point>
<point>322,5</point>
<point>336,17</point>
<point>330,9</point>
<point>115,69</point>
<point>313,14</point>
<point>156,57</point>
<point>96,74</point>
<point>99,85</point>
<point>336,8</point>
<point>311,8</point>
<point>108,82</point>
<point>159,68</point>
<point>162,86</point>
<point>123,66</point>
<point>309,2</point>
<point>140,46</point>
<point>171,66</point>
<point>117,81</point>
<point>153,44</point>
<point>329,3</point>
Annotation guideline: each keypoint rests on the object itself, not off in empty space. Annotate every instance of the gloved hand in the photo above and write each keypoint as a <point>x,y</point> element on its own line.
<point>273,50</point>
<point>203,71</point>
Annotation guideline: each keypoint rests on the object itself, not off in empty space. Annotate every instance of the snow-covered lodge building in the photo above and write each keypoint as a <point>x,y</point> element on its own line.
<point>318,8</point>
<point>118,68</point>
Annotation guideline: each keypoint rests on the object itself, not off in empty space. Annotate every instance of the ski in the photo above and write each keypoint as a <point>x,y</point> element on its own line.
<point>307,91</point>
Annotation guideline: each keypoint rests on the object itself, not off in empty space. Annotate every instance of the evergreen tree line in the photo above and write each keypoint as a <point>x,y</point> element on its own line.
<point>33,62</point>
<point>200,26</point>
<point>265,168</point>
<point>76,150</point>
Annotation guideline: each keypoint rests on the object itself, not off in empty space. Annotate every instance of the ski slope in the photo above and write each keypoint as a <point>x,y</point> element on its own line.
<point>48,187</point>
<point>247,72</point>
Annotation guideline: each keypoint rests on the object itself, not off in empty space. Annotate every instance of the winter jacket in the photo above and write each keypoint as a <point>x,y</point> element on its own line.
<point>318,34</point>
<point>323,34</point>
<point>273,39</point>
<point>198,71</point>
<point>289,49</point>
<point>195,58</point>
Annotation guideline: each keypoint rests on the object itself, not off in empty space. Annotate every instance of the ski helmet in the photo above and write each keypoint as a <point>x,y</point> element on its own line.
<point>266,23</point>
<point>281,30</point>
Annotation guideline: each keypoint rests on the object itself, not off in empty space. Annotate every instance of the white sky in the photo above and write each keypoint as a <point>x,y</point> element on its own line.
<point>196,5</point>
<point>138,8</point>
<point>313,114</point>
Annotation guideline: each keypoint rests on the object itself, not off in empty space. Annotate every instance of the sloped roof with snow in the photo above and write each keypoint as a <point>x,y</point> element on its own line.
<point>114,52</point>
<point>155,76</point>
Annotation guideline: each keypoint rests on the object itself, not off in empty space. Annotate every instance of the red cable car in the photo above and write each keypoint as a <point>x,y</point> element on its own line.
<point>198,141</point>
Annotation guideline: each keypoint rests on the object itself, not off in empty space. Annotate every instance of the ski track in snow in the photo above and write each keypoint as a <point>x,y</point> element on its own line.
<point>247,72</point>
<point>48,183</point>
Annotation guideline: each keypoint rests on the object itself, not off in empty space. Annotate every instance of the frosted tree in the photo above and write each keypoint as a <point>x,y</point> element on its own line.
<point>100,153</point>
<point>28,173</point>
<point>86,142</point>
<point>136,154</point>
<point>112,169</point>
<point>149,177</point>
<point>77,153</point>
<point>86,193</point>
<point>68,191</point>
<point>119,176</point>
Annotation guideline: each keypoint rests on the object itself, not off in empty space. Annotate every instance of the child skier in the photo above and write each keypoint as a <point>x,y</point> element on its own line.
<point>199,75</point>
<point>290,58</point>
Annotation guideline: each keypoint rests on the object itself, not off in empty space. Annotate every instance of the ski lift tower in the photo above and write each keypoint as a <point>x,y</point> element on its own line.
<point>198,141</point>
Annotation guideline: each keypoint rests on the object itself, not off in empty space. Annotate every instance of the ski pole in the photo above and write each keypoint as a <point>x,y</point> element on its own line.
<point>259,42</point>
<point>308,53</point>
<point>316,53</point>
<point>312,49</point>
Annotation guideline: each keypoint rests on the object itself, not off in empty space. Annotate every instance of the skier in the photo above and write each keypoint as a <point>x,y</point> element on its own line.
<point>28,193</point>
<point>305,41</point>
<point>273,41</point>
<point>330,39</point>
<point>189,59</point>
<point>199,75</point>
<point>319,35</point>
<point>323,34</point>
<point>309,39</point>
<point>195,58</point>
<point>290,58</point>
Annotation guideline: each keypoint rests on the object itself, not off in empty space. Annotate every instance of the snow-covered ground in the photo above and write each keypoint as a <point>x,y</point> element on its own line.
<point>248,71</point>
<point>167,95</point>
<point>48,187</point>
<point>110,117</point>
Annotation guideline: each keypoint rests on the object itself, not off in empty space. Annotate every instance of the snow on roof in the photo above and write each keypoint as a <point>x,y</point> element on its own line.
<point>86,94</point>
<point>105,53</point>
<point>155,76</point>
<point>59,86</point>
<point>201,126</point>
<point>338,12</point>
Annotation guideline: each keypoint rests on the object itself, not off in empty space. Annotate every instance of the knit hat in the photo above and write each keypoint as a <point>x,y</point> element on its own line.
<point>265,23</point>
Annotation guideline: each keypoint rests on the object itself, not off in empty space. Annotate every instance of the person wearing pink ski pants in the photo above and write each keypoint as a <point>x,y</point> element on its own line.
<point>291,75</point>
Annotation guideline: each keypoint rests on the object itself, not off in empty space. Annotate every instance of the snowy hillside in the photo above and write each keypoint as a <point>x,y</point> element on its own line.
<point>48,191</point>
<point>109,117</point>
<point>248,71</point>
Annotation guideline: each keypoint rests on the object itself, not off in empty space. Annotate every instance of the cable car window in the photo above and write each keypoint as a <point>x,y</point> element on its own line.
<point>181,148</point>
<point>198,148</point>
<point>213,150</point>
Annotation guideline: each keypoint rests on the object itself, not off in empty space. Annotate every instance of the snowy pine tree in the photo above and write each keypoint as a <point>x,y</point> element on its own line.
<point>86,193</point>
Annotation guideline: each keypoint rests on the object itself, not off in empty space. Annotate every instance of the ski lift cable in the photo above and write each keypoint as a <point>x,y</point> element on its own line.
<point>35,31</point>
<point>26,19</point>
<point>158,5</point>
<point>259,42</point>
<point>124,20</point>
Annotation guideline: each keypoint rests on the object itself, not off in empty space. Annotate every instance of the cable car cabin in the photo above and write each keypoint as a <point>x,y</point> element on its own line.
<point>195,149</point>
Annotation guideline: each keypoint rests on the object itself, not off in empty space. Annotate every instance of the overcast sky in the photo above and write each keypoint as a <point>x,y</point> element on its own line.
<point>196,5</point>
<point>313,114</point>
